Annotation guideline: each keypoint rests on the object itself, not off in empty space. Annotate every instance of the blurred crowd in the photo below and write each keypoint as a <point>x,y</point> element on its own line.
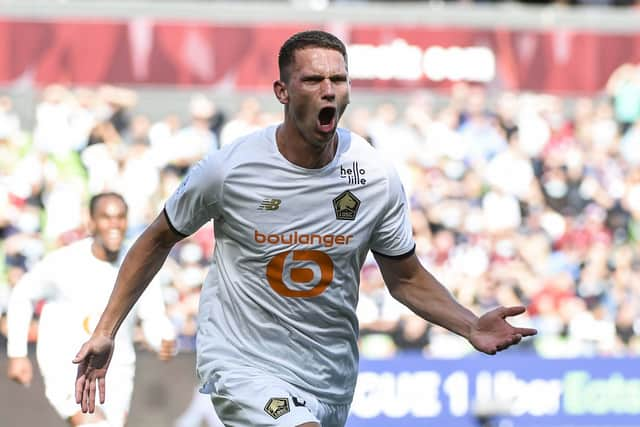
<point>516,198</point>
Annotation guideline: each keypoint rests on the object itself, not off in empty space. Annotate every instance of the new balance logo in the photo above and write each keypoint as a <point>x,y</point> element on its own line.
<point>269,205</point>
<point>298,402</point>
<point>354,174</point>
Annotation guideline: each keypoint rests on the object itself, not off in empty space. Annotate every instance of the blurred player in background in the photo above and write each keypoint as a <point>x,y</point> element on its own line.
<point>75,281</point>
<point>296,209</point>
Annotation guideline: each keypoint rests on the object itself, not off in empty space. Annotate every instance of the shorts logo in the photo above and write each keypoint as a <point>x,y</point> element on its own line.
<point>269,205</point>
<point>346,206</point>
<point>277,407</point>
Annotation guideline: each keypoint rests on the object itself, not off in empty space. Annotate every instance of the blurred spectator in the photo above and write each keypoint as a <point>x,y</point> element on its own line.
<point>245,121</point>
<point>187,279</point>
<point>9,120</point>
<point>161,135</point>
<point>52,133</point>
<point>623,87</point>
<point>378,313</point>
<point>357,119</point>
<point>630,144</point>
<point>480,131</point>
<point>510,171</point>
<point>193,141</point>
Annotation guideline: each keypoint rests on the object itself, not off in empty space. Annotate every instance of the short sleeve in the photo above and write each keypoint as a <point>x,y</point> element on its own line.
<point>198,198</point>
<point>393,235</point>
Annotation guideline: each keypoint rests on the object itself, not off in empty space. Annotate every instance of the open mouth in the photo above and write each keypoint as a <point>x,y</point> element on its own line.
<point>114,237</point>
<point>326,119</point>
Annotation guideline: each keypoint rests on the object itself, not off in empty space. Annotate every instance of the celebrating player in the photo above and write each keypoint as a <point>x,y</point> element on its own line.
<point>296,208</point>
<point>76,281</point>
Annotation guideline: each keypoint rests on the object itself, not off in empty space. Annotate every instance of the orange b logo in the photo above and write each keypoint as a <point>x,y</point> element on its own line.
<point>276,269</point>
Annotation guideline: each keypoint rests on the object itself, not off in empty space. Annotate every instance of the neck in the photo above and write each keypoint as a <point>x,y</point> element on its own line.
<point>295,148</point>
<point>102,253</point>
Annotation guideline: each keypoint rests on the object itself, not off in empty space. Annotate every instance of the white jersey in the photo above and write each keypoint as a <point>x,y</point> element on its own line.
<point>76,287</point>
<point>290,242</point>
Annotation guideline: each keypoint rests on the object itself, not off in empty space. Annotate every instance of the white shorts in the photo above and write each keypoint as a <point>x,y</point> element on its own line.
<point>54,353</point>
<point>60,391</point>
<point>243,398</point>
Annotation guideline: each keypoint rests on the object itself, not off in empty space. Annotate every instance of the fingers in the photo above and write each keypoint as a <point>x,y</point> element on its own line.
<point>512,311</point>
<point>88,403</point>
<point>15,376</point>
<point>86,389</point>
<point>168,349</point>
<point>515,339</point>
<point>92,362</point>
<point>526,332</point>
<point>92,396</point>
<point>79,390</point>
<point>22,378</point>
<point>102,389</point>
<point>512,340</point>
<point>80,380</point>
<point>81,354</point>
<point>85,396</point>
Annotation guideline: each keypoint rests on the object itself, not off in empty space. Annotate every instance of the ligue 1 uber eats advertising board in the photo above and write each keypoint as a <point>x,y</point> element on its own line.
<point>509,391</point>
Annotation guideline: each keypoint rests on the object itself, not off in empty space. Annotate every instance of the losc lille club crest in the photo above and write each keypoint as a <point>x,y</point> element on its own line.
<point>277,407</point>
<point>346,206</point>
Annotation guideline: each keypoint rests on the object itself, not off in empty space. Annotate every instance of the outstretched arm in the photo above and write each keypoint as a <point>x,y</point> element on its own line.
<point>140,265</point>
<point>414,286</point>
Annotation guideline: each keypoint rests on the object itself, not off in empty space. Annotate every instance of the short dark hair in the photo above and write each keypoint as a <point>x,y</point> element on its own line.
<point>95,199</point>
<point>303,40</point>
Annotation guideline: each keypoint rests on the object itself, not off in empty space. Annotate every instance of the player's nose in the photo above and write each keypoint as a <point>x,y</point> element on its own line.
<point>327,89</point>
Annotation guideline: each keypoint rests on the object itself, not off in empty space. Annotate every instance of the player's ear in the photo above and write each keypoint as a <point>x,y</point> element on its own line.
<point>280,90</point>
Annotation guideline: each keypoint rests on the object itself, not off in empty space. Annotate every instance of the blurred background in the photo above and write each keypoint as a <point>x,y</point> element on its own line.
<point>516,130</point>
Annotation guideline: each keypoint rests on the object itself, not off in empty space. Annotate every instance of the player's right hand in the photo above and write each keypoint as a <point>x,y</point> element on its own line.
<point>93,361</point>
<point>20,370</point>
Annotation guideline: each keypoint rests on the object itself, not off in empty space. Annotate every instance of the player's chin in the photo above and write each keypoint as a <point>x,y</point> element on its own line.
<point>325,134</point>
<point>113,245</point>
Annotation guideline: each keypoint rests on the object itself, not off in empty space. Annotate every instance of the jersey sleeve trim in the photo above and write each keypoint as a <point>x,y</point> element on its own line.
<point>401,256</point>
<point>175,230</point>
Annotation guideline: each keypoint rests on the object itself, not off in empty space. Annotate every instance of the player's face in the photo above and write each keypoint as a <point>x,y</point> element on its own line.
<point>318,93</point>
<point>109,224</point>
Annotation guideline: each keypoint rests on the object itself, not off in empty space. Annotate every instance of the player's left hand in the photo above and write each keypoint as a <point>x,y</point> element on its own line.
<point>167,350</point>
<point>93,361</point>
<point>492,333</point>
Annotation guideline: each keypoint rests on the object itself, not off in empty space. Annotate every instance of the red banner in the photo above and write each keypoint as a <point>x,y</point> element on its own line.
<point>150,52</point>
